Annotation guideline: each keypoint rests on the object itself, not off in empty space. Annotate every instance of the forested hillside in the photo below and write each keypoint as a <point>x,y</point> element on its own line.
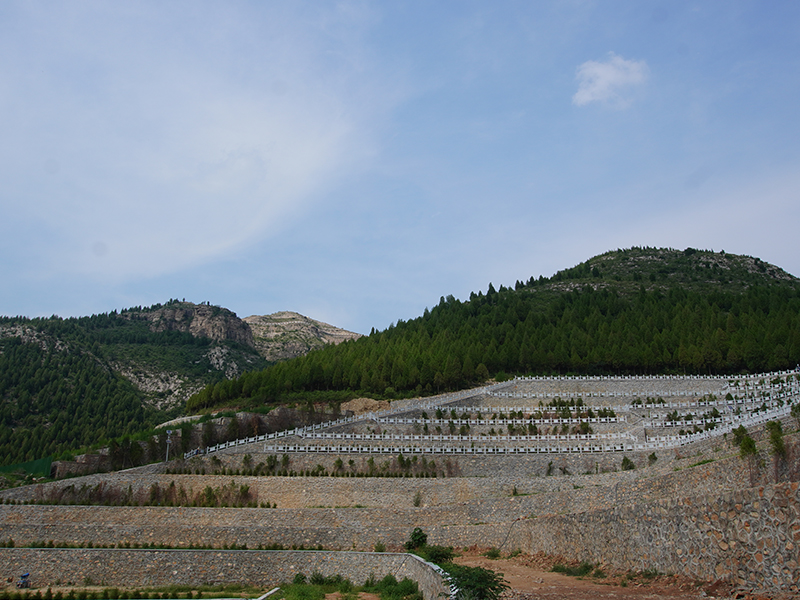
<point>68,383</point>
<point>642,310</point>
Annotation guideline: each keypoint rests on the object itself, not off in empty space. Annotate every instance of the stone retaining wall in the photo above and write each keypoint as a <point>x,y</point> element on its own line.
<point>155,568</point>
<point>538,493</point>
<point>748,536</point>
<point>333,529</point>
<point>470,517</point>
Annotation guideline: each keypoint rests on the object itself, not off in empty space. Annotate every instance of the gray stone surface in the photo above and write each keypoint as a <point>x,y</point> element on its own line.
<point>155,568</point>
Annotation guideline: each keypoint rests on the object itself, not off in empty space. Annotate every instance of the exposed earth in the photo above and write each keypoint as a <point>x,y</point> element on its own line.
<point>530,577</point>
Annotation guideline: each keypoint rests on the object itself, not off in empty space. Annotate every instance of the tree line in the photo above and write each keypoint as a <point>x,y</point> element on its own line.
<point>55,401</point>
<point>585,331</point>
<point>60,391</point>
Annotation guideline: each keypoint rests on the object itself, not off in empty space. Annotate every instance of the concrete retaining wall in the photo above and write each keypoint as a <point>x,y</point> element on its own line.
<point>155,568</point>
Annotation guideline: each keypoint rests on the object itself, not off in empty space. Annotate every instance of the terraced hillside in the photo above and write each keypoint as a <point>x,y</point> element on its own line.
<point>631,472</point>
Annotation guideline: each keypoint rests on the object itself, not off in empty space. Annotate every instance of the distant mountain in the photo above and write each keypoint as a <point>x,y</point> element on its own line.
<point>639,310</point>
<point>284,335</point>
<point>66,383</point>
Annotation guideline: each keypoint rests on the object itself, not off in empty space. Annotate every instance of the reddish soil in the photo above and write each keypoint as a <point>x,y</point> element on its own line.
<point>531,578</point>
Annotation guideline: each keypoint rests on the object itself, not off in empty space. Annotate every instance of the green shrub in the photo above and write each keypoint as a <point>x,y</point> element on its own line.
<point>303,591</point>
<point>417,539</point>
<point>476,583</point>
<point>581,570</point>
<point>776,438</point>
<point>437,554</point>
<point>492,553</point>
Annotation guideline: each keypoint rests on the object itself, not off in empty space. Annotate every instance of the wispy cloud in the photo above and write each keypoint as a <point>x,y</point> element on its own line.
<point>147,144</point>
<point>609,82</point>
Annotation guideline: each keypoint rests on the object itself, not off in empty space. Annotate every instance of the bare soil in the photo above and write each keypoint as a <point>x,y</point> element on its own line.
<point>530,577</point>
<point>364,405</point>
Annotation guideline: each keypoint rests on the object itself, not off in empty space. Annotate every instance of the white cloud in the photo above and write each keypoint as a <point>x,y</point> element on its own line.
<point>145,142</point>
<point>609,82</point>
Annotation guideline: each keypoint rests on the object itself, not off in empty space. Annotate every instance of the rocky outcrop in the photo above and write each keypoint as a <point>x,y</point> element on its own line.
<point>201,320</point>
<point>163,389</point>
<point>30,335</point>
<point>278,336</point>
<point>285,335</point>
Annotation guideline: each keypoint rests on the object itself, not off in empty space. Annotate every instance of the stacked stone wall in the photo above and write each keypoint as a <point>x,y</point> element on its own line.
<point>155,568</point>
<point>749,536</point>
<point>333,529</point>
<point>537,493</point>
<point>465,513</point>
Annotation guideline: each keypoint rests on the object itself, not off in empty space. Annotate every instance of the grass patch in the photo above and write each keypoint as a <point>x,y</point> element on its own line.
<point>581,570</point>
<point>154,593</point>
<point>317,586</point>
<point>702,462</point>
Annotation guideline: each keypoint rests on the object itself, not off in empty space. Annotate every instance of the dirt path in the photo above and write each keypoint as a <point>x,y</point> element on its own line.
<point>531,578</point>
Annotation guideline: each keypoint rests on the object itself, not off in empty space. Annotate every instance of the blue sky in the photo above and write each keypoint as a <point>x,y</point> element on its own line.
<point>355,161</point>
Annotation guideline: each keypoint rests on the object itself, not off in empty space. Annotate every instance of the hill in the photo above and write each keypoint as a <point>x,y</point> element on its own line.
<point>67,383</point>
<point>285,335</point>
<point>663,268</point>
<point>640,310</point>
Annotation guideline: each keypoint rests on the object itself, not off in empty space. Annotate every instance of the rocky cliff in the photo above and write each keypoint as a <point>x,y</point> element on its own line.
<point>201,320</point>
<point>285,335</point>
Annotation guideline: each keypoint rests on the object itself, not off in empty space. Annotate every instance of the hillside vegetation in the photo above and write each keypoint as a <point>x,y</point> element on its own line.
<point>68,383</point>
<point>641,310</point>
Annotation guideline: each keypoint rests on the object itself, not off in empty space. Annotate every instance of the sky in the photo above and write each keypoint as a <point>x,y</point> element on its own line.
<point>354,161</point>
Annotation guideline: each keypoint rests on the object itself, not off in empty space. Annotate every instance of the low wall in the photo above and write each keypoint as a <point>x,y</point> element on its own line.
<point>749,537</point>
<point>155,568</point>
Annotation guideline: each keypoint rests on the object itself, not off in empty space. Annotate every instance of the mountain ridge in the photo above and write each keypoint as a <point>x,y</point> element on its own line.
<point>73,382</point>
<point>639,310</point>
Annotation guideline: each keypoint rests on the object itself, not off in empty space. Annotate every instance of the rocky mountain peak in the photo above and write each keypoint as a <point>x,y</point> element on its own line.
<point>201,320</point>
<point>284,335</point>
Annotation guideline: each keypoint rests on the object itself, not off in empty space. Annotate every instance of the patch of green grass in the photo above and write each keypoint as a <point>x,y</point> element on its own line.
<point>650,573</point>
<point>581,570</point>
<point>303,591</point>
<point>702,462</point>
<point>599,573</point>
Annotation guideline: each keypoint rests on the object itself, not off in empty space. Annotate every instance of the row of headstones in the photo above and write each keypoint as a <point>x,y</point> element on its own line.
<point>402,421</point>
<point>646,377</point>
<point>443,437</point>
<point>445,449</point>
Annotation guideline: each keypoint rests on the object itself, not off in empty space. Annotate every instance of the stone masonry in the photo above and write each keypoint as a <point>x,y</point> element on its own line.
<point>266,569</point>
